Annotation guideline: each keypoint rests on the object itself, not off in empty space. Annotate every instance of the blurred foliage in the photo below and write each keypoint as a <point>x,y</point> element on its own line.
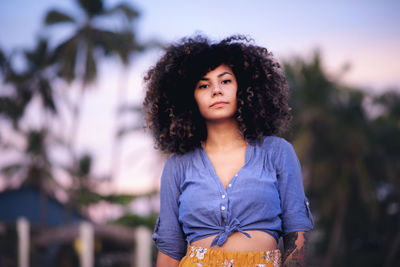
<point>351,162</point>
<point>78,56</point>
<point>88,197</point>
<point>33,81</point>
<point>34,166</point>
<point>74,59</point>
<point>133,220</point>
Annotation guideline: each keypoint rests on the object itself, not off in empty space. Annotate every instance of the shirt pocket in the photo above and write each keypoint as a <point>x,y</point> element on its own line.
<point>309,214</point>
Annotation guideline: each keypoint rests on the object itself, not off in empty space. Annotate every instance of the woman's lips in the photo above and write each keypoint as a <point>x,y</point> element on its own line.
<point>218,104</point>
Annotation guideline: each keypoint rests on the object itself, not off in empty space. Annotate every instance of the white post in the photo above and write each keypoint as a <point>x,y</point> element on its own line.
<point>86,234</point>
<point>23,242</point>
<point>143,247</point>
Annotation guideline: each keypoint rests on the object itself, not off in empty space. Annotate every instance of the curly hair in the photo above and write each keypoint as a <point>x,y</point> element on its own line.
<point>172,112</point>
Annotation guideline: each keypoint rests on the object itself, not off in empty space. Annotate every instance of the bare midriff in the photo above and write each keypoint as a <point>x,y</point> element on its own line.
<point>238,242</point>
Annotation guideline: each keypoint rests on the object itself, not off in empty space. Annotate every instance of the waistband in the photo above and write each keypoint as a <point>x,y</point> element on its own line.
<point>213,257</point>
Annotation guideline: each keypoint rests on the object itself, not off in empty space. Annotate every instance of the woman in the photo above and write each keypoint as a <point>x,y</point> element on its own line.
<point>231,188</point>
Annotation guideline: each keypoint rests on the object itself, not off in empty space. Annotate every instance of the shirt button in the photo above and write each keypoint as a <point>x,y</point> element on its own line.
<point>229,185</point>
<point>223,196</point>
<point>236,174</point>
<point>222,207</point>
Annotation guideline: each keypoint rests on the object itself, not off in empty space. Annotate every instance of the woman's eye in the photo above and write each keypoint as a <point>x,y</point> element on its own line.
<point>226,81</point>
<point>202,86</point>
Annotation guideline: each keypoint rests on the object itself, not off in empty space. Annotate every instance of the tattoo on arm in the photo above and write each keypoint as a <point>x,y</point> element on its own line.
<point>295,248</point>
<point>289,243</point>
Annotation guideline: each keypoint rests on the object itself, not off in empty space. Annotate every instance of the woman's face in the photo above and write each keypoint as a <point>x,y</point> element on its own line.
<point>215,94</point>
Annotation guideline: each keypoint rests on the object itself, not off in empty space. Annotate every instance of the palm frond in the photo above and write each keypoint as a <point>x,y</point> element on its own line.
<point>11,108</point>
<point>87,197</point>
<point>91,7</point>
<point>65,54</point>
<point>46,93</point>
<point>120,43</point>
<point>3,62</point>
<point>127,130</point>
<point>122,199</point>
<point>127,10</point>
<point>56,17</point>
<point>85,165</point>
<point>134,220</point>
<point>10,169</point>
<point>90,66</point>
<point>390,100</point>
<point>36,142</point>
<point>39,53</point>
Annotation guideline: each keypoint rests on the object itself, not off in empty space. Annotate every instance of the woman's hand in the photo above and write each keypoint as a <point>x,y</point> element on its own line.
<point>163,260</point>
<point>295,249</point>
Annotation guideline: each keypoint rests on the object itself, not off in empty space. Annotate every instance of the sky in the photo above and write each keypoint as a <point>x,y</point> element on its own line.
<point>362,33</point>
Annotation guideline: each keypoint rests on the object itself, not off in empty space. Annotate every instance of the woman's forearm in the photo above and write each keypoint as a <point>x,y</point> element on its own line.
<point>295,249</point>
<point>163,260</point>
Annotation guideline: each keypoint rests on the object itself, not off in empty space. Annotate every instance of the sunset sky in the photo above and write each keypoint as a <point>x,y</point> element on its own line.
<point>362,33</point>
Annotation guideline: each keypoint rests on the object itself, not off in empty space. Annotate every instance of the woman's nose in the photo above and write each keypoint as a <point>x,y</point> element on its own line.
<point>217,90</point>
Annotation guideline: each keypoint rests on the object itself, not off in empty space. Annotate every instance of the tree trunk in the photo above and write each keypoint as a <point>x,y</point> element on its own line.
<point>337,233</point>
<point>116,145</point>
<point>393,248</point>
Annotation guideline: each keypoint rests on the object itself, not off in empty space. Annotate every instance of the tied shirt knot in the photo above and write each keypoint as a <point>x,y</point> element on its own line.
<point>233,226</point>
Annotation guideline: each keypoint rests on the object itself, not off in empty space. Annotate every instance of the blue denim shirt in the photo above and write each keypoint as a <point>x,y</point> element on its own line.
<point>266,194</point>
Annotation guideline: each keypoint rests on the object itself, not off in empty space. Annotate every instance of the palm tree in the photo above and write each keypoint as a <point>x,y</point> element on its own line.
<point>330,132</point>
<point>30,143</point>
<point>34,81</point>
<point>74,59</point>
<point>77,57</point>
<point>385,164</point>
<point>34,166</point>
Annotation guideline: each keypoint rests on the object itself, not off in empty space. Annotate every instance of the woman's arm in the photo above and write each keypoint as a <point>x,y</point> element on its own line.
<point>296,215</point>
<point>295,245</point>
<point>168,234</point>
<point>163,260</point>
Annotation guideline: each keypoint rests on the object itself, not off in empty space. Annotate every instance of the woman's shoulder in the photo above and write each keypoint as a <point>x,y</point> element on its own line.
<point>277,148</point>
<point>176,167</point>
<point>275,143</point>
<point>181,161</point>
<point>283,151</point>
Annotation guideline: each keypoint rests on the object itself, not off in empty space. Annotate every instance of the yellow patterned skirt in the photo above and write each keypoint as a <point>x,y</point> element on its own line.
<point>208,257</point>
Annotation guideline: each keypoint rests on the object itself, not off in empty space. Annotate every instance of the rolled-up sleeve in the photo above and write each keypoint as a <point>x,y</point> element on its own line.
<point>296,214</point>
<point>168,235</point>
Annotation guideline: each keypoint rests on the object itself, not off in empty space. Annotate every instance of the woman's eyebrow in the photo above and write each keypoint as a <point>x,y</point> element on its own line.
<point>222,74</point>
<point>219,75</point>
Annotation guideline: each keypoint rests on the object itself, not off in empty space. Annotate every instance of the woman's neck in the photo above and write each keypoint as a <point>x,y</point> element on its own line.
<point>223,135</point>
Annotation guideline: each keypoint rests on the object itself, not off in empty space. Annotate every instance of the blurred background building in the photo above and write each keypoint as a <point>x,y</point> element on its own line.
<point>78,173</point>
